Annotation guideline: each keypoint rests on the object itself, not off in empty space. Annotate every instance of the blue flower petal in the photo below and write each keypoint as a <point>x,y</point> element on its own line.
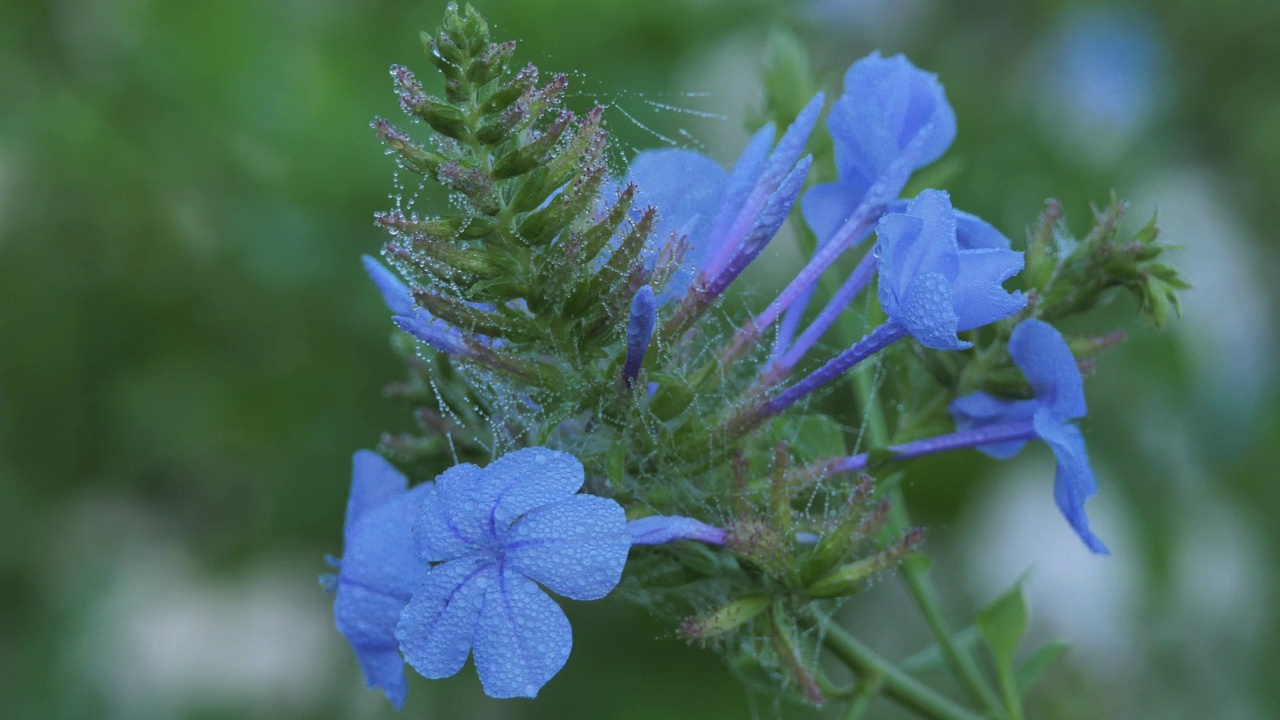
<point>522,640</point>
<point>374,481</point>
<point>926,309</point>
<point>1074,482</point>
<point>933,288</point>
<point>742,180</point>
<point>980,409</point>
<point>891,120</point>
<point>979,297</point>
<point>368,620</point>
<point>686,187</point>
<point>914,243</point>
<point>826,207</point>
<point>437,626</point>
<point>889,102</point>
<point>434,535</point>
<point>1044,358</point>
<point>482,505</point>
<point>459,516</point>
<point>575,547</point>
<point>972,232</point>
<point>433,331</point>
<point>394,292</point>
<point>378,569</point>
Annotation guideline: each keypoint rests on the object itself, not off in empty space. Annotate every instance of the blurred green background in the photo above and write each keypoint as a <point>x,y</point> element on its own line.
<point>190,352</point>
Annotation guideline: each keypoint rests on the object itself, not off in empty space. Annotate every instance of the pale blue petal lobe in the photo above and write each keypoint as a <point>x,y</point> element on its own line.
<point>530,478</point>
<point>374,481</point>
<point>576,547</point>
<point>434,534</point>
<point>523,638</point>
<point>974,233</point>
<point>437,626</point>
<point>979,296</point>
<point>687,188</point>
<point>927,312</point>
<point>980,409</point>
<point>1044,358</point>
<point>378,570</point>
<point>394,292</point>
<point>1074,482</point>
<point>662,529</point>
<point>466,494</point>
<point>826,207</point>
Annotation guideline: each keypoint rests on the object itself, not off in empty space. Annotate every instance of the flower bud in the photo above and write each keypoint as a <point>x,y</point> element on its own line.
<point>852,578</point>
<point>728,618</point>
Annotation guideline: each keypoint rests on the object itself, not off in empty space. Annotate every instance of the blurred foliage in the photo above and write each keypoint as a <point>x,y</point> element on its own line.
<point>189,350</point>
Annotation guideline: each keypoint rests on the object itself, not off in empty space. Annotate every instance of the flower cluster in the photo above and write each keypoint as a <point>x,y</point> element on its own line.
<point>573,335</point>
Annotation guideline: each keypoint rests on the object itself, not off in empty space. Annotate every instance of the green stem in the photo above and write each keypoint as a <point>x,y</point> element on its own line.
<point>895,683</point>
<point>916,576</point>
<point>915,573</point>
<point>860,703</point>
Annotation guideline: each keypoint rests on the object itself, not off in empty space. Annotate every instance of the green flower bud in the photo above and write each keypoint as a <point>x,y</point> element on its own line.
<point>728,618</point>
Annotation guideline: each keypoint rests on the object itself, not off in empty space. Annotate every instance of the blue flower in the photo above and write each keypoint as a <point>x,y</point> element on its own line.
<point>932,287</point>
<point>892,119</point>
<point>496,532</point>
<point>725,218</point>
<point>412,319</point>
<point>1046,361</point>
<point>379,569</point>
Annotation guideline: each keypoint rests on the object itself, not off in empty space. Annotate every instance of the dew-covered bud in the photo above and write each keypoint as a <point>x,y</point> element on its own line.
<point>639,332</point>
<point>492,63</point>
<point>852,578</point>
<point>760,543</point>
<point>728,618</point>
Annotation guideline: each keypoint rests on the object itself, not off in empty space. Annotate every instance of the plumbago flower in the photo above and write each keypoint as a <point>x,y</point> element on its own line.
<point>930,288</point>
<point>378,570</point>
<point>495,533</point>
<point>891,120</point>
<point>1046,361</point>
<point>1000,428</point>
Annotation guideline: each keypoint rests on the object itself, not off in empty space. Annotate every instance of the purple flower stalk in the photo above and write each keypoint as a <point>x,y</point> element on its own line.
<point>1000,428</point>
<point>786,359</point>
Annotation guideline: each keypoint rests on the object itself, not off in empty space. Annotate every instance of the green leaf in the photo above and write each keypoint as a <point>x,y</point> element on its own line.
<point>1039,661</point>
<point>673,396</point>
<point>812,437</point>
<point>1002,624</point>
